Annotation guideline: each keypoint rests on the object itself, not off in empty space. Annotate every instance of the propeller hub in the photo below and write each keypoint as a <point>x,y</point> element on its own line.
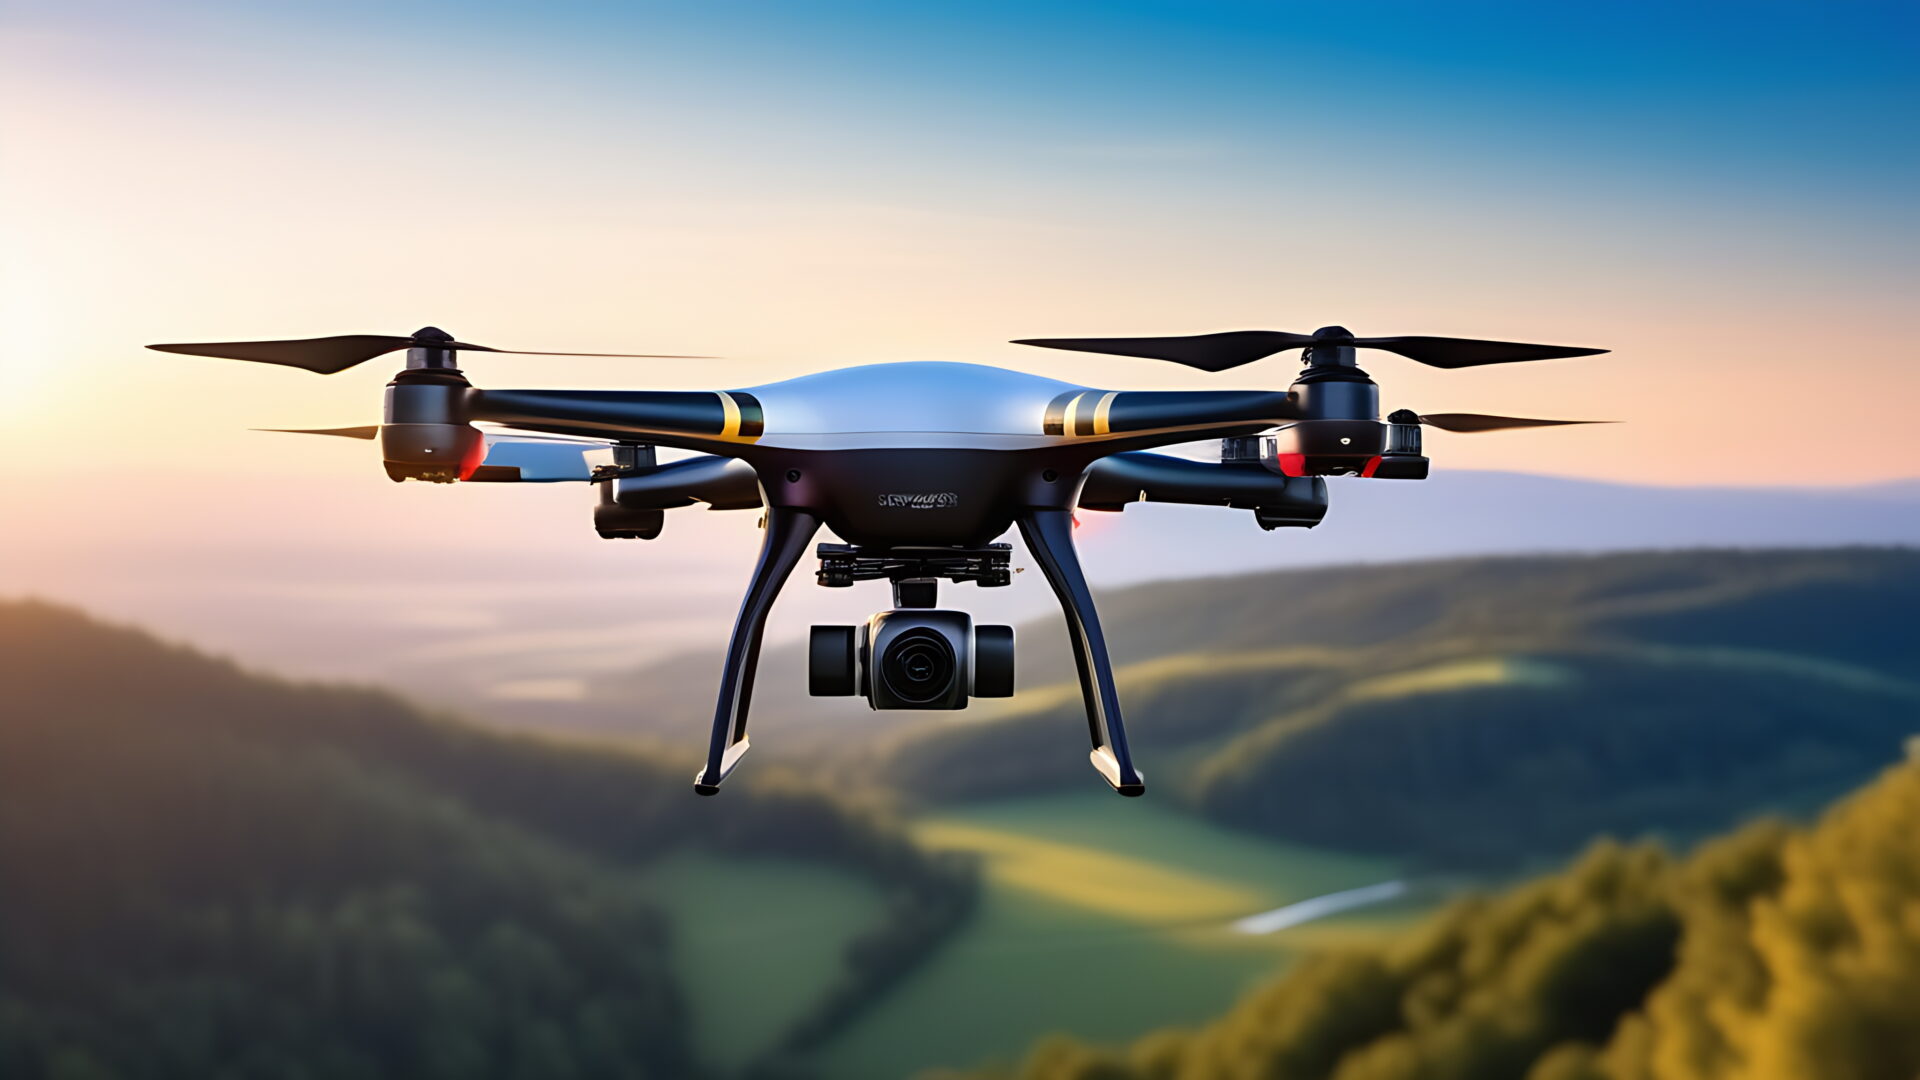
<point>430,352</point>
<point>1332,347</point>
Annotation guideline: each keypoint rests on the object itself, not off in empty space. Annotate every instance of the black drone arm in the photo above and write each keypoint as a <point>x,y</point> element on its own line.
<point>1118,480</point>
<point>1141,419</point>
<point>710,421</point>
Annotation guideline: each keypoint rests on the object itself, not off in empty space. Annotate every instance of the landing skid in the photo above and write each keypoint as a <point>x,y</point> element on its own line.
<point>1049,536</point>
<point>788,533</point>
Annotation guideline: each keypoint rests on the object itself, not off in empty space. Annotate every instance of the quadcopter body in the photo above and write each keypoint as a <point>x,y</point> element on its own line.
<point>933,453</point>
<point>918,468</point>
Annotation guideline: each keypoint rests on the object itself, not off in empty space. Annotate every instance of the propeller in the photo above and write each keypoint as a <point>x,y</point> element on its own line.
<point>365,431</point>
<point>1218,352</point>
<point>372,431</point>
<point>1466,422</point>
<point>329,355</point>
<point>510,456</point>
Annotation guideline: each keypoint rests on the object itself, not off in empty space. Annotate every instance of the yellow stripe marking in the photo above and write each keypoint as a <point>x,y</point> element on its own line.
<point>731,428</point>
<point>1066,425</point>
<point>1100,412</point>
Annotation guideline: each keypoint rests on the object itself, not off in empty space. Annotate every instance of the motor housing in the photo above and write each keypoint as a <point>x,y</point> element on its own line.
<point>425,435</point>
<point>1365,448</point>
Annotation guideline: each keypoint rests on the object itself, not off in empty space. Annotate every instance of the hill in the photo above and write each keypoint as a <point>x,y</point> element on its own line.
<point>209,872</point>
<point>1408,709</point>
<point>1458,516</point>
<point>1772,954</point>
<point>1833,603</point>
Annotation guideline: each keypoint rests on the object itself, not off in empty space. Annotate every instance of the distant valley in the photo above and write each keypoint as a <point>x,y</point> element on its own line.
<point>1304,732</point>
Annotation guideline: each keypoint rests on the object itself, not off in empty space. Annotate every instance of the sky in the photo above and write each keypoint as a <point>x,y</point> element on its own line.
<point>1723,194</point>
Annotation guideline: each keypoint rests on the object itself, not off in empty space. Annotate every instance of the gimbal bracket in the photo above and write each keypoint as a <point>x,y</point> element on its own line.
<point>916,572</point>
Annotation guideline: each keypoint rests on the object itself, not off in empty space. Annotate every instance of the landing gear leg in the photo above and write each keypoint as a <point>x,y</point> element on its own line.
<point>1049,536</point>
<point>788,532</point>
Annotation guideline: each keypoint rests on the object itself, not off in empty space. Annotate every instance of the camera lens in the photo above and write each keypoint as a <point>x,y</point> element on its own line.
<point>918,666</point>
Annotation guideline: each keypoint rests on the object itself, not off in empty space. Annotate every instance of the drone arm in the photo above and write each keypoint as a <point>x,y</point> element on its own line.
<point>723,483</point>
<point>1118,479</point>
<point>788,532</point>
<point>1150,410</point>
<point>710,421</point>
<point>1049,536</point>
<point>1141,419</point>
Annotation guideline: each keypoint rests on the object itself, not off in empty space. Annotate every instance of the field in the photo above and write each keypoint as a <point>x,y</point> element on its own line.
<point>755,941</point>
<point>1103,918</point>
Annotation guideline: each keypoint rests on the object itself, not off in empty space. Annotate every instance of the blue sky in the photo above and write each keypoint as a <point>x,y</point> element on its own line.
<point>1790,100</point>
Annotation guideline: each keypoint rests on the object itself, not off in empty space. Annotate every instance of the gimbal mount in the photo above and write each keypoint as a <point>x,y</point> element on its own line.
<point>916,572</point>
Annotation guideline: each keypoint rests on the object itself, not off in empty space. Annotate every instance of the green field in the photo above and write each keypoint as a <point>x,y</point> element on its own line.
<point>1102,917</point>
<point>755,941</point>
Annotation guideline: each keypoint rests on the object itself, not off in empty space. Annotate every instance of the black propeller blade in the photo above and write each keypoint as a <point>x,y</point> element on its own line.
<point>372,431</point>
<point>1443,352</point>
<point>1466,422</point>
<point>1218,352</point>
<point>329,355</point>
<point>365,431</point>
<point>1208,352</point>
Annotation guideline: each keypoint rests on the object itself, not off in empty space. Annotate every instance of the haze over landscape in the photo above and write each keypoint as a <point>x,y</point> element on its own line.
<point>484,594</point>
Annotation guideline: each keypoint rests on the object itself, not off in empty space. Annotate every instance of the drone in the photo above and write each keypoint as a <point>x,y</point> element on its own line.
<point>918,468</point>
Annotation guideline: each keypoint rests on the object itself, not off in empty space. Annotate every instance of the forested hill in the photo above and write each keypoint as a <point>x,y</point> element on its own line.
<point>1772,954</point>
<point>206,872</point>
<point>1833,604</point>
<point>1482,710</point>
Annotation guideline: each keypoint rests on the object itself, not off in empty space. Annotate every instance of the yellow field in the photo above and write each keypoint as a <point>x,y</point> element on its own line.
<point>1103,917</point>
<point>1122,886</point>
<point>1461,675</point>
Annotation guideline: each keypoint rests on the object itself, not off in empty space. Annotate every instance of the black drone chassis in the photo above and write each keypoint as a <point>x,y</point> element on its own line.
<point>919,467</point>
<point>987,491</point>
